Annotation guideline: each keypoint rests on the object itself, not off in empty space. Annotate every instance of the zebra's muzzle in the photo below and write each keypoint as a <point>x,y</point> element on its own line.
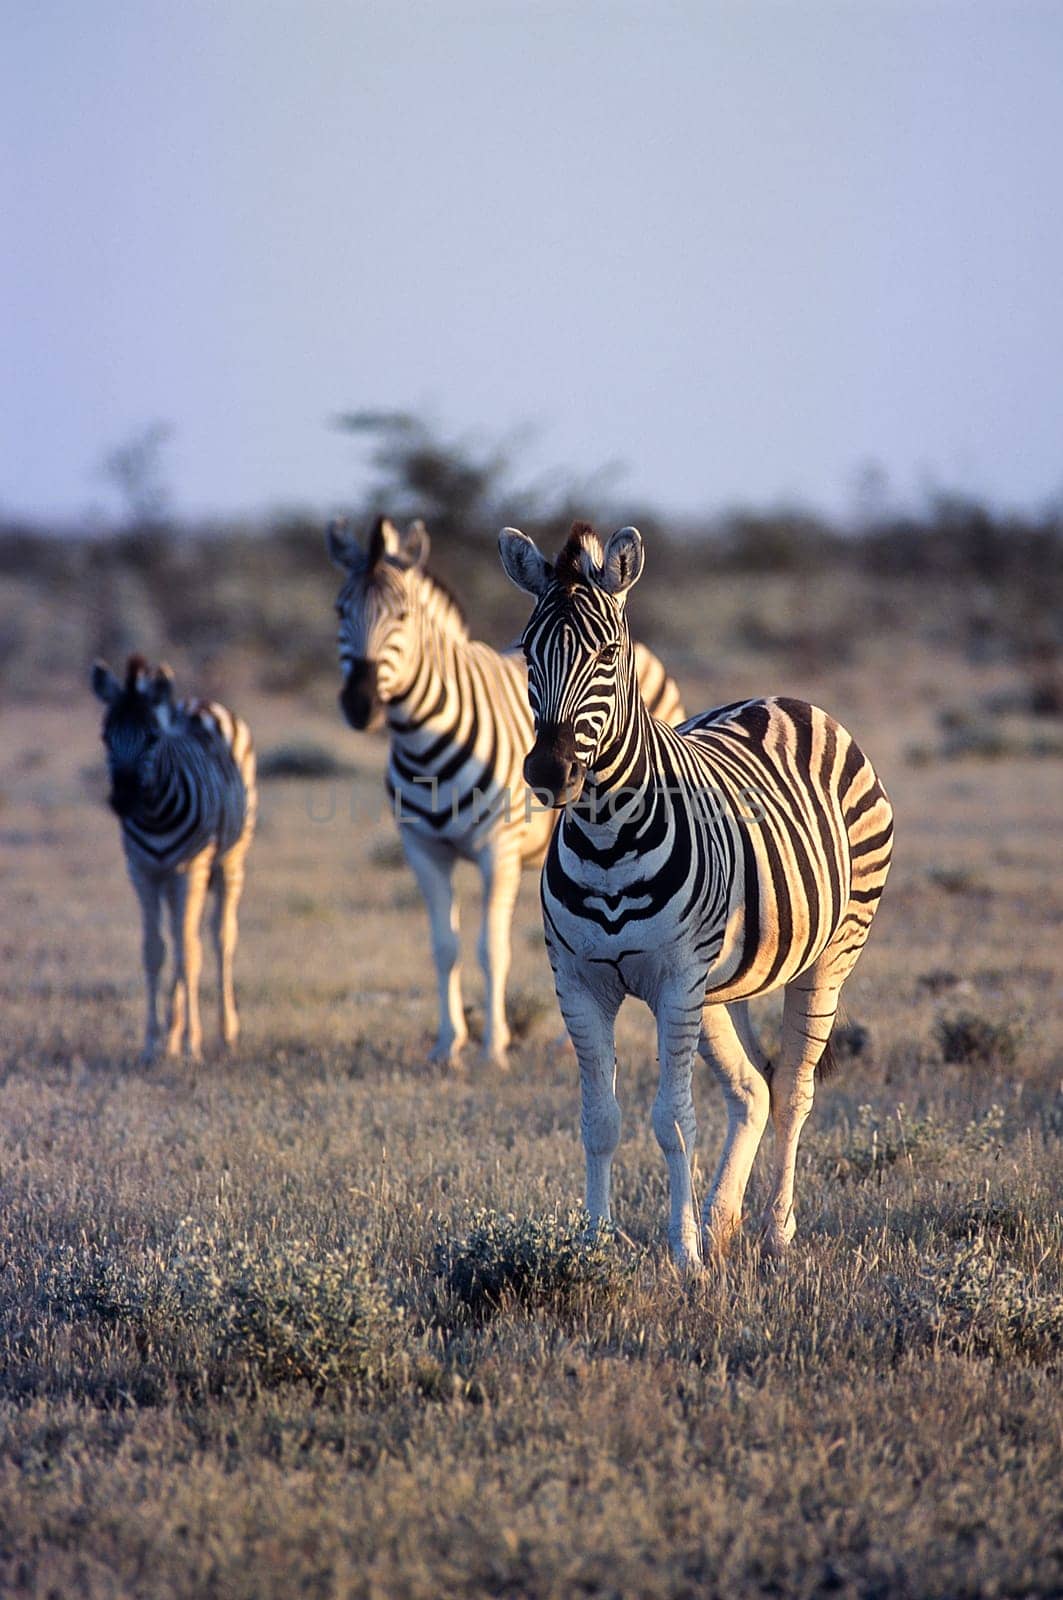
<point>551,768</point>
<point>359,698</point>
<point>125,792</point>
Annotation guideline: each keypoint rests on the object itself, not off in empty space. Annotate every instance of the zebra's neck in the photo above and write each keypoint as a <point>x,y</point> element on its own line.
<point>424,703</point>
<point>626,772</point>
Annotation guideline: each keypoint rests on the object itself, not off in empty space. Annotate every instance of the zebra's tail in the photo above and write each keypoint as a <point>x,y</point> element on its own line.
<point>827,1065</point>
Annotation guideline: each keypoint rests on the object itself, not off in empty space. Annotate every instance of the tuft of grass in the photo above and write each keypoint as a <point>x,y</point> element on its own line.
<point>550,1261</point>
<point>969,1039</point>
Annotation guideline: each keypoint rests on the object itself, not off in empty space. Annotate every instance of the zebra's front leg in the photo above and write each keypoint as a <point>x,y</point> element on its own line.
<point>188,891</point>
<point>154,953</point>
<point>674,1123</point>
<point>807,1018</point>
<point>228,888</point>
<point>590,1017</point>
<point>433,867</point>
<point>729,1046</point>
<point>500,871</point>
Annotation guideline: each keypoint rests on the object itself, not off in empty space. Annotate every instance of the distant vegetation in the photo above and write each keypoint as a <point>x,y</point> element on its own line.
<point>966,577</point>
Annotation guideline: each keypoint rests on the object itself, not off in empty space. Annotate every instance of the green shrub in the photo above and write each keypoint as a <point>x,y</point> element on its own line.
<point>550,1261</point>
<point>975,1300</point>
<point>238,1314</point>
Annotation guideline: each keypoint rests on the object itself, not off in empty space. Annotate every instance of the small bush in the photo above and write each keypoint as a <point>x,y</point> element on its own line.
<point>968,1039</point>
<point>547,1261</point>
<point>850,1041</point>
<point>303,761</point>
<point>957,880</point>
<point>292,1314</point>
<point>973,1299</point>
<point>238,1315</point>
<point>875,1143</point>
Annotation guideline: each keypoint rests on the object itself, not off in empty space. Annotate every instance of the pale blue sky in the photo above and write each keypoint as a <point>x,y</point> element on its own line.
<point>742,248</point>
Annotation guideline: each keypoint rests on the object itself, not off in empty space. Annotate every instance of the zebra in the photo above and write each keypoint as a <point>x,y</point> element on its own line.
<point>182,779</point>
<point>459,728</point>
<point>694,868</point>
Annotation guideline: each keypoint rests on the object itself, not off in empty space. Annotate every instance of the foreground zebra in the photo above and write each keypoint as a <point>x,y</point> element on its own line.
<point>183,784</point>
<point>459,729</point>
<point>694,868</point>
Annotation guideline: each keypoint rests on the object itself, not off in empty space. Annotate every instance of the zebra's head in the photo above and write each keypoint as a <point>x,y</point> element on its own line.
<point>139,713</point>
<point>580,664</point>
<point>374,607</point>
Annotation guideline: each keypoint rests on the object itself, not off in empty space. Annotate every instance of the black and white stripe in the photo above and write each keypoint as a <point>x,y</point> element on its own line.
<point>695,868</point>
<point>183,786</point>
<point>459,728</point>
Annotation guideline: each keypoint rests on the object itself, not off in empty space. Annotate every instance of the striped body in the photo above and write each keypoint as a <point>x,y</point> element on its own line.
<point>694,867</point>
<point>758,842</point>
<point>204,795</point>
<point>459,727</point>
<point>183,785</point>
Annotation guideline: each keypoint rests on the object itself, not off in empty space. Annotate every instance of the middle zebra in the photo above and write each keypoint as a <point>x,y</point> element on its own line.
<point>459,728</point>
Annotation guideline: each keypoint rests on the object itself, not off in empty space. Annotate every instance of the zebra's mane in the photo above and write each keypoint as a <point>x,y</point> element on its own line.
<point>447,608</point>
<point>582,550</point>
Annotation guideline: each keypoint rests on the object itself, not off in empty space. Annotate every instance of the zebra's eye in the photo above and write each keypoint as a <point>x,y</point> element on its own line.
<point>608,656</point>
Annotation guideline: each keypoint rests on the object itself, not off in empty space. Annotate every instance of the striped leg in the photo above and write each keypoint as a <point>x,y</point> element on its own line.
<point>500,870</point>
<point>187,892</point>
<point>154,953</point>
<point>730,1047</point>
<point>228,881</point>
<point>808,1014</point>
<point>590,1017</point>
<point>674,1123</point>
<point>433,866</point>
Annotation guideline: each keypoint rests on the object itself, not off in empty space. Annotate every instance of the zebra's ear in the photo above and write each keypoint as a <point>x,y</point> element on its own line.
<point>342,546</point>
<point>623,561</point>
<point>416,544</point>
<point>105,685</point>
<point>524,563</point>
<point>384,542</point>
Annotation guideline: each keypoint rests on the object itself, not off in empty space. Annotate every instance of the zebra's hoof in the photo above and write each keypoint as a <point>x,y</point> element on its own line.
<point>442,1055</point>
<point>776,1236</point>
<point>499,1059</point>
<point>719,1236</point>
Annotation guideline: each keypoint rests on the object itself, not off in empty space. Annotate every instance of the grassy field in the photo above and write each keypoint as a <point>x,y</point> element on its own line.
<point>256,1339</point>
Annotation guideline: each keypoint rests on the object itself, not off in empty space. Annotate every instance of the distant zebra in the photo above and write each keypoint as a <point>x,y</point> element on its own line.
<point>459,729</point>
<point>183,784</point>
<point>694,868</point>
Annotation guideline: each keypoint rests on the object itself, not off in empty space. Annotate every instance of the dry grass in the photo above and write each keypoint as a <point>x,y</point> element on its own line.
<point>244,1340</point>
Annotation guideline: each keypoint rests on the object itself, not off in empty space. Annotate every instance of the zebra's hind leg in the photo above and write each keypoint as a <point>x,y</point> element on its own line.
<point>730,1047</point>
<point>227,880</point>
<point>433,866</point>
<point>154,953</point>
<point>809,1007</point>
<point>187,890</point>
<point>500,871</point>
